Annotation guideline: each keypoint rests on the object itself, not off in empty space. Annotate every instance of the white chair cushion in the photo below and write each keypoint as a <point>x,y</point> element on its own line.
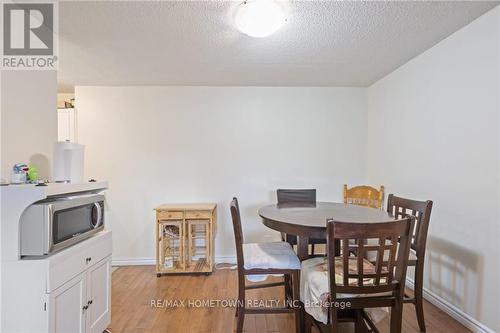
<point>315,289</point>
<point>273,255</point>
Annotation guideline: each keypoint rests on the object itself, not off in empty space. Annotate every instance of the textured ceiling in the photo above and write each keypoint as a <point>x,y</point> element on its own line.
<point>323,43</point>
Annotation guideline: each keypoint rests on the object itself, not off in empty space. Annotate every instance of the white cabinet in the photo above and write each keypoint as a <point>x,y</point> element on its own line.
<point>84,303</point>
<point>99,296</point>
<point>66,306</point>
<point>68,291</point>
<point>66,125</point>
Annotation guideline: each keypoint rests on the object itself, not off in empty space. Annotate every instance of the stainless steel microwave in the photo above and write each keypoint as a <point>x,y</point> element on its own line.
<point>50,225</point>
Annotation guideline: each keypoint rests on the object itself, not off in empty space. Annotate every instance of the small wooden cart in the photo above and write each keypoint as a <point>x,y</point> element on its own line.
<point>185,236</point>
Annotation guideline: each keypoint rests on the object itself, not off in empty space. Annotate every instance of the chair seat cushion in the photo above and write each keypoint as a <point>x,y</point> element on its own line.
<point>315,289</point>
<point>273,255</point>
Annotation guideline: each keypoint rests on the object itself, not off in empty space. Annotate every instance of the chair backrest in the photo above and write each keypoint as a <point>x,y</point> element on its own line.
<point>238,233</point>
<point>294,196</point>
<point>401,207</point>
<point>358,275</point>
<point>364,196</point>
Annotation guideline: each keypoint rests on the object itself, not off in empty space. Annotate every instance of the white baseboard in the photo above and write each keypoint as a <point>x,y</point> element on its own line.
<point>133,262</point>
<point>454,312</point>
<point>152,261</point>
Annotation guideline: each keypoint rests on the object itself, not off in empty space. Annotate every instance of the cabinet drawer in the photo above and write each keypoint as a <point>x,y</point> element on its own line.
<point>166,215</point>
<point>70,262</point>
<point>198,214</point>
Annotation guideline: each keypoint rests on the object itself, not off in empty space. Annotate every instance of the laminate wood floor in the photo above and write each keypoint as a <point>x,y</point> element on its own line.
<point>135,288</point>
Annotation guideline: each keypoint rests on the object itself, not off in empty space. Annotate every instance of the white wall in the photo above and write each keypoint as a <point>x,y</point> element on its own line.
<point>434,134</point>
<point>28,120</point>
<point>207,144</point>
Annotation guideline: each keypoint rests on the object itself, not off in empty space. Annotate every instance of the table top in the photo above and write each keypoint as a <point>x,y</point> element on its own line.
<point>315,216</point>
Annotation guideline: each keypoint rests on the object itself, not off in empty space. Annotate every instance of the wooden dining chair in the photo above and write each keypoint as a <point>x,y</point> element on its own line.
<point>257,259</point>
<point>296,196</point>
<point>350,283</point>
<point>401,207</point>
<point>299,197</point>
<point>364,196</point>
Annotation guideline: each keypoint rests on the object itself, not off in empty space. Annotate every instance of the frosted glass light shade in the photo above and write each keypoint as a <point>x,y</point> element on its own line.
<point>259,18</point>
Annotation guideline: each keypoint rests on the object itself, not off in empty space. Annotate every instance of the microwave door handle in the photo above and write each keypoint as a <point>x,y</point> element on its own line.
<point>99,215</point>
<point>49,220</point>
<point>74,201</point>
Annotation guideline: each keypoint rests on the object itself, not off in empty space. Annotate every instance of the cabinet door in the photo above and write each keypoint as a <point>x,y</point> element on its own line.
<point>66,125</point>
<point>99,296</point>
<point>66,306</point>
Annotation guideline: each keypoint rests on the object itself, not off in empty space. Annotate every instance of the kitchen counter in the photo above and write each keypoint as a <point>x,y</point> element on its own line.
<point>52,188</point>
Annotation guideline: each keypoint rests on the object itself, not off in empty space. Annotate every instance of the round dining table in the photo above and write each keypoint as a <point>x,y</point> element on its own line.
<point>308,221</point>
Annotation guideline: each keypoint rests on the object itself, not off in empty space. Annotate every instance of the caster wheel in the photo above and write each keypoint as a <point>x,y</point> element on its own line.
<point>158,275</point>
<point>207,274</point>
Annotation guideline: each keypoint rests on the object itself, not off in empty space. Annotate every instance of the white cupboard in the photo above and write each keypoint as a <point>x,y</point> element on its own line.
<point>66,125</point>
<point>99,296</point>
<point>83,304</point>
<point>68,291</point>
<point>65,308</point>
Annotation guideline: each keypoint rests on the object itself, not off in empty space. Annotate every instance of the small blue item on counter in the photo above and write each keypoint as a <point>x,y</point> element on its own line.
<point>20,168</point>
<point>19,173</point>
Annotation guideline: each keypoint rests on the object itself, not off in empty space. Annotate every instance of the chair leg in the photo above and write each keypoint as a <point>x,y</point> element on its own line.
<point>299,322</point>
<point>396,317</point>
<point>312,249</point>
<point>240,319</point>
<point>334,320</point>
<point>308,324</point>
<point>240,309</point>
<point>288,288</point>
<point>419,297</point>
<point>359,325</point>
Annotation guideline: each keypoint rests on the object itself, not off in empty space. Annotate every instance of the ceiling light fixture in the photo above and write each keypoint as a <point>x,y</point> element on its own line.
<point>259,18</point>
